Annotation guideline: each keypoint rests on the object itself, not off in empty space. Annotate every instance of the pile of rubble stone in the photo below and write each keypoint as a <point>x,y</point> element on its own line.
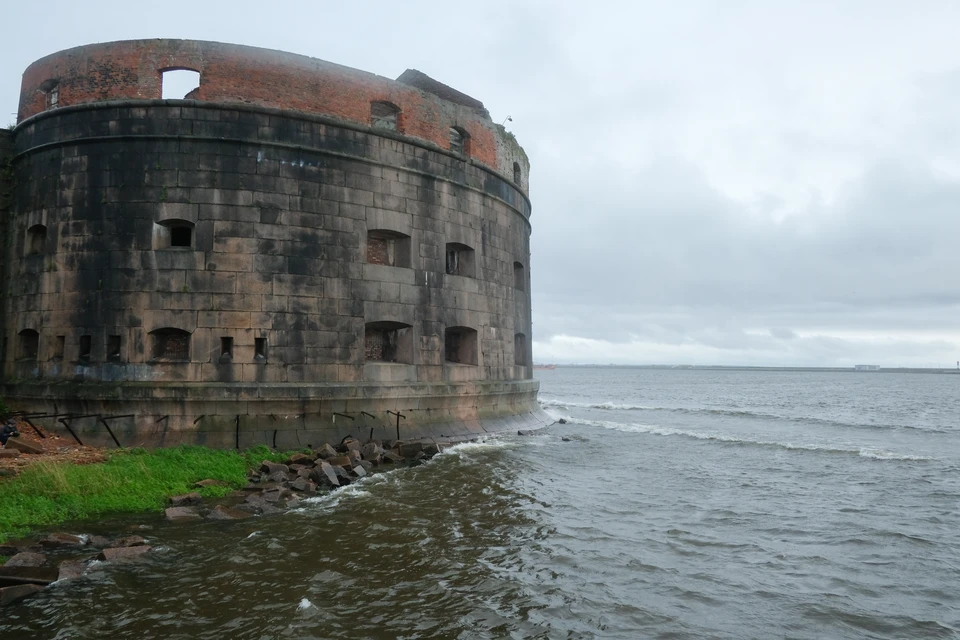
<point>276,486</point>
<point>271,488</point>
<point>58,557</point>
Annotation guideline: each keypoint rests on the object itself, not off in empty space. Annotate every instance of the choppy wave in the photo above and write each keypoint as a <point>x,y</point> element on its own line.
<point>737,413</point>
<point>864,452</point>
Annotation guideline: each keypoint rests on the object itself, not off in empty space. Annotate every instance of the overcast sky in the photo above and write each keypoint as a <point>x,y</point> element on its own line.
<point>762,182</point>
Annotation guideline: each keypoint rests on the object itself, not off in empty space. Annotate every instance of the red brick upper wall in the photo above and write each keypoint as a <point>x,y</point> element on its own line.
<point>230,73</point>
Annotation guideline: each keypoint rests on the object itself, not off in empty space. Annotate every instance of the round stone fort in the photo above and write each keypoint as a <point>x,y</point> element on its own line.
<point>292,252</point>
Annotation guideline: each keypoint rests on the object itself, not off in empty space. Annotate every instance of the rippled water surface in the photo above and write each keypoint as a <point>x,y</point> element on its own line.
<point>685,504</point>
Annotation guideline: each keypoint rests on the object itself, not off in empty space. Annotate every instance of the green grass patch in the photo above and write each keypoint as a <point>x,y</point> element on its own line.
<point>46,494</point>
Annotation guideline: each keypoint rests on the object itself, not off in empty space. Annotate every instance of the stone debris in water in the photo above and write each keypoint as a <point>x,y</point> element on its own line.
<point>272,486</point>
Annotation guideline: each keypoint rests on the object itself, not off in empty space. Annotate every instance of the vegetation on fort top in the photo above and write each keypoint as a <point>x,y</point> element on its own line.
<point>45,494</point>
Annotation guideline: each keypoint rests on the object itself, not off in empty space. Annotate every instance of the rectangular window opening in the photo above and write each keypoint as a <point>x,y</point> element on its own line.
<point>520,350</point>
<point>113,349</point>
<point>260,349</point>
<point>178,84</point>
<point>460,260</point>
<point>460,345</point>
<point>226,349</point>
<point>86,345</point>
<point>59,347</point>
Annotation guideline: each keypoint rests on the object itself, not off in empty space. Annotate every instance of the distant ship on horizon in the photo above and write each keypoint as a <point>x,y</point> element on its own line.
<point>544,366</point>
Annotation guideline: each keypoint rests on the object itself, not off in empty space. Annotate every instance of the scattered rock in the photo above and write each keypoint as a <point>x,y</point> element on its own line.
<point>372,452</point>
<point>273,495</point>
<point>300,484</point>
<point>9,595</point>
<point>355,457</point>
<point>98,541</point>
<point>349,444</point>
<point>27,559</point>
<point>565,439</point>
<point>300,458</point>
<point>562,421</point>
<point>342,476</point>
<point>70,570</point>
<point>431,449</point>
<point>324,475</point>
<point>367,465</point>
<point>129,541</point>
<point>179,514</point>
<point>123,553</point>
<point>339,461</point>
<point>277,477</point>
<point>326,451</point>
<point>9,453</point>
<point>392,457</point>
<point>410,449</point>
<point>23,446</point>
<point>186,499</point>
<point>221,512</point>
<point>209,482</point>
<point>359,471</point>
<point>272,467</point>
<point>60,540</point>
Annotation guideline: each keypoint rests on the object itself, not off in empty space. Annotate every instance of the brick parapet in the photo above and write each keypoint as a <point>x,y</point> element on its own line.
<point>262,78</point>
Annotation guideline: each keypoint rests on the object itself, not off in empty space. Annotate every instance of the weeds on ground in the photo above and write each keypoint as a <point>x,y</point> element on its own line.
<point>45,494</point>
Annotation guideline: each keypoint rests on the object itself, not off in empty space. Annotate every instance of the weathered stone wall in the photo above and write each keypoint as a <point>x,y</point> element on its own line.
<point>6,198</point>
<point>201,269</point>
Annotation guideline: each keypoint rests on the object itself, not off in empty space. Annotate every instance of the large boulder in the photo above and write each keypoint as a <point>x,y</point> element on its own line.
<point>355,458</point>
<point>27,559</point>
<point>70,570</point>
<point>180,514</point>
<point>300,458</point>
<point>326,451</point>
<point>61,540</point>
<point>9,453</point>
<point>391,457</point>
<point>339,461</point>
<point>186,499</point>
<point>410,449</point>
<point>359,471</point>
<point>323,475</point>
<point>123,553</point>
<point>9,595</point>
<point>371,452</point>
<point>349,444</point>
<point>269,467</point>
<point>12,576</point>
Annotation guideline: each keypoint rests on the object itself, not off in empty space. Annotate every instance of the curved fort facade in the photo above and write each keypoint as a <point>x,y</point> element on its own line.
<point>294,252</point>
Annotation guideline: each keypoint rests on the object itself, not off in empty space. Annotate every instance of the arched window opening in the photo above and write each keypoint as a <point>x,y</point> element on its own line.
<point>385,115</point>
<point>177,84</point>
<point>36,239</point>
<point>29,344</point>
<point>460,260</point>
<point>170,344</point>
<point>388,247</point>
<point>388,342</point>
<point>519,277</point>
<point>517,174</point>
<point>460,345</point>
<point>520,350</point>
<point>459,141</point>
<point>173,234</point>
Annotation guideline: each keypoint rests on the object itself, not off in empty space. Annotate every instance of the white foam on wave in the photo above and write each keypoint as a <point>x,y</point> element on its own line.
<point>875,454</point>
<point>610,406</point>
<point>481,444</point>
<point>304,604</point>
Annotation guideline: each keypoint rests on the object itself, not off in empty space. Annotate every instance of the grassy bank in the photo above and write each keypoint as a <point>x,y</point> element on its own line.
<point>46,494</point>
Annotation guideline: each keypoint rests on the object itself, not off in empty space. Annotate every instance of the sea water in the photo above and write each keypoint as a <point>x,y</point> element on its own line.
<point>672,504</point>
